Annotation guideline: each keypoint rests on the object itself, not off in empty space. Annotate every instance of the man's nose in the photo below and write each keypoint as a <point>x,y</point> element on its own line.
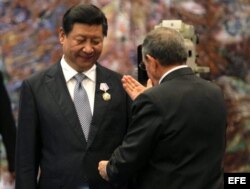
<point>88,48</point>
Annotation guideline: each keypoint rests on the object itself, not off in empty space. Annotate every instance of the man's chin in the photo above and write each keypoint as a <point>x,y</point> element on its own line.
<point>84,66</point>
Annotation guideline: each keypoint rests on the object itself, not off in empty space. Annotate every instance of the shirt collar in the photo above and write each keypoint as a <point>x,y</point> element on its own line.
<point>171,70</point>
<point>69,72</point>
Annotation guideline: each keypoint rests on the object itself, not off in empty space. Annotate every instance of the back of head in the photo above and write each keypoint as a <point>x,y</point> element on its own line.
<point>166,45</point>
<point>84,14</point>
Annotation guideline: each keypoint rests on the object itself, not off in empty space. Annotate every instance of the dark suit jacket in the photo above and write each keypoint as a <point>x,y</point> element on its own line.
<point>50,134</point>
<point>7,125</point>
<point>177,136</point>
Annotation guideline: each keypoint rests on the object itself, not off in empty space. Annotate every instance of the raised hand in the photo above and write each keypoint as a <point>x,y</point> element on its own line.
<point>133,87</point>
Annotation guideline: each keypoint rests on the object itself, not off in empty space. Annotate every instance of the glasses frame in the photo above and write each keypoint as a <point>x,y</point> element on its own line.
<point>142,66</point>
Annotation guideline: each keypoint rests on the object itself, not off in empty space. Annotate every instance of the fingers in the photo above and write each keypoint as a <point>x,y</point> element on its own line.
<point>129,86</point>
<point>133,83</point>
<point>132,86</point>
<point>102,170</point>
<point>130,83</point>
<point>8,177</point>
<point>128,89</point>
<point>149,83</point>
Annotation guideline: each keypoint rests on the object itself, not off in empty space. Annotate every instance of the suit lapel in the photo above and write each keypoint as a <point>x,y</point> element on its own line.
<point>57,86</point>
<point>100,105</point>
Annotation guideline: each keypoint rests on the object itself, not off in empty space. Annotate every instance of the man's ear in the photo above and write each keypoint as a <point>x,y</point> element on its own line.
<point>154,62</point>
<point>61,35</point>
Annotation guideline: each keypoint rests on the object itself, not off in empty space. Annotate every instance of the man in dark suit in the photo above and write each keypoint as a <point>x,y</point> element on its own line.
<point>7,128</point>
<point>50,136</point>
<point>177,135</point>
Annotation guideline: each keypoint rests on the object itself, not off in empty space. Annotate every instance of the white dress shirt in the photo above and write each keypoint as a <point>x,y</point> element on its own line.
<point>88,84</point>
<point>168,72</point>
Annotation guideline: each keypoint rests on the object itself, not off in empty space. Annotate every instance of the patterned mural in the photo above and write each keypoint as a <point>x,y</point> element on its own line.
<point>29,43</point>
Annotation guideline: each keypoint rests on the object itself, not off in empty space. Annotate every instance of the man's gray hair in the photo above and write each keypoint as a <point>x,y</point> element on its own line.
<point>166,45</point>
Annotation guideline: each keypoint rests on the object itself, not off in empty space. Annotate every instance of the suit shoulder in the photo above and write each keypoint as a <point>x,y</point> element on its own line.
<point>211,84</point>
<point>38,77</point>
<point>110,72</point>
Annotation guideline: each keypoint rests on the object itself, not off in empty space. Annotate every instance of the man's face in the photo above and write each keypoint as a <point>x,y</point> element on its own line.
<point>150,69</point>
<point>82,46</point>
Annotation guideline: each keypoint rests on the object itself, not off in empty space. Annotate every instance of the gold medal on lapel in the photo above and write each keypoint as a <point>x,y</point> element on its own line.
<point>104,87</point>
<point>106,96</point>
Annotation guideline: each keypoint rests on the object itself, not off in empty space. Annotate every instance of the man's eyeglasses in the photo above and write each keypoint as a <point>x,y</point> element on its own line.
<point>142,66</point>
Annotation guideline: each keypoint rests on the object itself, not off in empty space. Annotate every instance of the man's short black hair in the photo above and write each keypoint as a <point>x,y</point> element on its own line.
<point>84,14</point>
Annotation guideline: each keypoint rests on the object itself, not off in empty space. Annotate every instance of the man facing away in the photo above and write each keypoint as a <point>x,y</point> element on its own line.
<point>177,136</point>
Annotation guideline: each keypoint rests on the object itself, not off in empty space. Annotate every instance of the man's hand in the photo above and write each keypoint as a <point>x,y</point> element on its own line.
<point>102,170</point>
<point>8,178</point>
<point>133,87</point>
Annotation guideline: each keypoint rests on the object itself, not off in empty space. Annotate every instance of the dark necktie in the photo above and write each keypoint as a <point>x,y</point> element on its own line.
<point>82,105</point>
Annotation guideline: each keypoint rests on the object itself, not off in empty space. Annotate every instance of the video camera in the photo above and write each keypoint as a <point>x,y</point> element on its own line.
<point>191,39</point>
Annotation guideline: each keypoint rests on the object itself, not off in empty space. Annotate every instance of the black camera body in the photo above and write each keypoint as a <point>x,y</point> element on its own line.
<point>191,39</point>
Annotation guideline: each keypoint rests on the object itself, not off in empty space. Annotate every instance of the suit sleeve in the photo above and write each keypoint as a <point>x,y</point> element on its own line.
<point>27,153</point>
<point>7,125</point>
<point>137,147</point>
